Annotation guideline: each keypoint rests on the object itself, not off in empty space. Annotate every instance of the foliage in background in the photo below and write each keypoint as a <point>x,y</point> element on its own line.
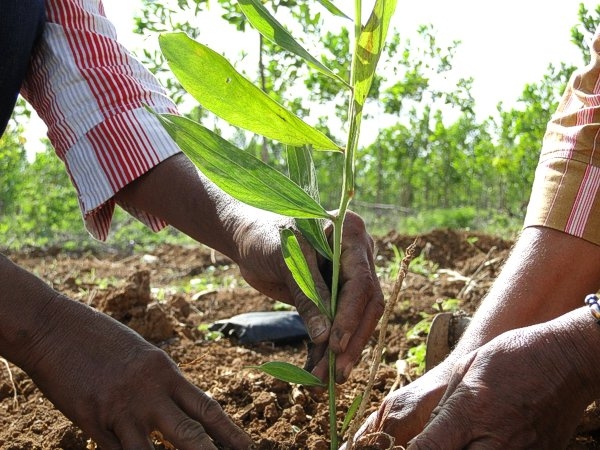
<point>431,163</point>
<point>38,207</point>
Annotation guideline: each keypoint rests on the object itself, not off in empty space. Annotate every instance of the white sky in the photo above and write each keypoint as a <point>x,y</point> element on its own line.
<point>504,45</point>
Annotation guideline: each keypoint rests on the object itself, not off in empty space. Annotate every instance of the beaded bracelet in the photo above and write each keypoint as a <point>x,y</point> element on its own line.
<point>592,301</point>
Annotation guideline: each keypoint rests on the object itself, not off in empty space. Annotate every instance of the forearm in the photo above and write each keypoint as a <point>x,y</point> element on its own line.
<point>24,301</point>
<point>547,274</point>
<point>175,192</point>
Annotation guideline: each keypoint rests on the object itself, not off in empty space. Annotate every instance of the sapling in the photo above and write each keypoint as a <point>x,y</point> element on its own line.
<point>218,87</point>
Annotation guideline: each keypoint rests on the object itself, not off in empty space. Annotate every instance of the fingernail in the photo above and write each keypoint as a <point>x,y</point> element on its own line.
<point>347,371</point>
<point>344,341</point>
<point>342,375</point>
<point>317,326</point>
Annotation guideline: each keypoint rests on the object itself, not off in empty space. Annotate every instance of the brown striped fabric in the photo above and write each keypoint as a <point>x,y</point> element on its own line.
<point>566,191</point>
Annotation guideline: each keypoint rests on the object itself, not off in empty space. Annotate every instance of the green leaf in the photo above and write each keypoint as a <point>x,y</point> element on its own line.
<point>350,414</point>
<point>333,9</point>
<point>313,232</point>
<point>370,45</point>
<point>239,173</point>
<point>295,261</point>
<point>262,20</point>
<point>290,373</point>
<point>213,81</point>
<point>302,172</point>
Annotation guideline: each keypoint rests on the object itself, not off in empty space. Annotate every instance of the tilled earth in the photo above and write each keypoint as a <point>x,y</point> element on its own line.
<point>167,293</point>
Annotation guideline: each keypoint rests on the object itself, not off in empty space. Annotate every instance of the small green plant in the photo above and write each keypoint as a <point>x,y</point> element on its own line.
<point>416,358</point>
<point>208,334</point>
<point>449,305</point>
<point>218,87</point>
<point>419,264</point>
<point>416,354</point>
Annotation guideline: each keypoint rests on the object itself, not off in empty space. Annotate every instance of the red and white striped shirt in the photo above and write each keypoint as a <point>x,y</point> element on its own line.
<point>90,91</point>
<point>566,190</point>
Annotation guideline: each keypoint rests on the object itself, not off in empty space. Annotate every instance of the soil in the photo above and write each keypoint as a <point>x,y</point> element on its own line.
<point>162,296</point>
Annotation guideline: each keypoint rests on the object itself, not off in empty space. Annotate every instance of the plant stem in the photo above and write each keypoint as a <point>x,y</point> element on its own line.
<point>333,434</point>
<point>337,252</point>
<point>347,193</point>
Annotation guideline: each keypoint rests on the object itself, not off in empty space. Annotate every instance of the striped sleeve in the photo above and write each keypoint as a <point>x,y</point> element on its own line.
<point>566,190</point>
<point>91,93</point>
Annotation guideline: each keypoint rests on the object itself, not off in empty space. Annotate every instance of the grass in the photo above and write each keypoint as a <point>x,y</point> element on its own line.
<point>464,218</point>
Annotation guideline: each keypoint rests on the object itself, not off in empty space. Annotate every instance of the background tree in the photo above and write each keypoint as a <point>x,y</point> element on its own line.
<point>430,162</point>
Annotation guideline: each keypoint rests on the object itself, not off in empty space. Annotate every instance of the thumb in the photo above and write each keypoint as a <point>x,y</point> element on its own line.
<point>447,428</point>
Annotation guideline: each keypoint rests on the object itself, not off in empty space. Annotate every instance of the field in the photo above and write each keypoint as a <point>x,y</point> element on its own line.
<point>167,293</point>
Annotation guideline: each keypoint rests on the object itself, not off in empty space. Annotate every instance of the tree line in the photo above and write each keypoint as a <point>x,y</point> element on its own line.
<point>431,157</point>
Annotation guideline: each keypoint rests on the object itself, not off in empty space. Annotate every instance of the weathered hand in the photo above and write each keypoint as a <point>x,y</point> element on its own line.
<point>522,390</point>
<point>360,302</point>
<point>403,413</point>
<point>119,388</point>
<point>251,238</point>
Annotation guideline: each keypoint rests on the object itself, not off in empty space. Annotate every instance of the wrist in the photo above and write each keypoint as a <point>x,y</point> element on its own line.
<point>22,313</point>
<point>577,335</point>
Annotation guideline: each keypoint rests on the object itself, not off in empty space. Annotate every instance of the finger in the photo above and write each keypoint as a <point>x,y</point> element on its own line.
<point>182,431</point>
<point>444,433</point>
<point>346,360</point>
<point>358,307</point>
<point>132,438</point>
<point>316,353</point>
<point>361,301</point>
<point>199,409</point>
<point>460,369</point>
<point>317,324</point>
<point>321,368</point>
<point>448,428</point>
<point>361,305</point>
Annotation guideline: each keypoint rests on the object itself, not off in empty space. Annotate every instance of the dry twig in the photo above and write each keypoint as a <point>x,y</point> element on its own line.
<point>378,352</point>
<point>471,280</point>
<point>12,382</point>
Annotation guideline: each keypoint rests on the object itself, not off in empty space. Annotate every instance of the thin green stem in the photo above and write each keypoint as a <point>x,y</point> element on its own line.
<point>337,252</point>
<point>347,193</point>
<point>333,432</point>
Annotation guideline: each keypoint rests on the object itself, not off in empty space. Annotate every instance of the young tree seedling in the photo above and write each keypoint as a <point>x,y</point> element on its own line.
<point>218,87</point>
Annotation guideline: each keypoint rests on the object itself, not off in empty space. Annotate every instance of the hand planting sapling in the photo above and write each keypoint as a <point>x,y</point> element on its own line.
<point>218,87</point>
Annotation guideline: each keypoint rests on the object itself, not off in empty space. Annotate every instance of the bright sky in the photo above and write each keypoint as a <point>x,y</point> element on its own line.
<point>504,44</point>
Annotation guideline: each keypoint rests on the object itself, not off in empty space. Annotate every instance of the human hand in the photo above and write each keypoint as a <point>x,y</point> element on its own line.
<point>118,388</point>
<point>519,391</point>
<point>360,301</point>
<point>404,412</point>
<point>251,237</point>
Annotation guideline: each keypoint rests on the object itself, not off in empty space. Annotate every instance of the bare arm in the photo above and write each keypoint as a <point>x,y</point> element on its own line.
<point>84,361</point>
<point>175,192</point>
<point>546,277</point>
<point>24,301</point>
<point>547,274</point>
